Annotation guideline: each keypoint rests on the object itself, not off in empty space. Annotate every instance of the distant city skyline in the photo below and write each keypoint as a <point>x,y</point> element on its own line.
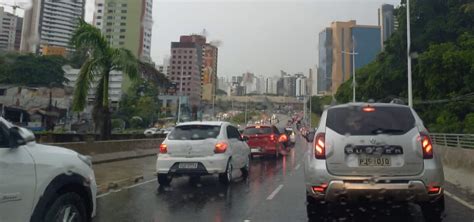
<point>262,41</point>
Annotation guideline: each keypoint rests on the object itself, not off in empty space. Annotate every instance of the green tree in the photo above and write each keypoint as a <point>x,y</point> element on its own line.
<point>318,103</point>
<point>101,60</point>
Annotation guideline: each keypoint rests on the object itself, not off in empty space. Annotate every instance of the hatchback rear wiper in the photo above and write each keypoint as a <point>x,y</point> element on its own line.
<point>386,131</point>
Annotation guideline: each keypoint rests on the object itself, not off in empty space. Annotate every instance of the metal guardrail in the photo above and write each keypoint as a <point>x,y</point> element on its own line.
<point>453,140</point>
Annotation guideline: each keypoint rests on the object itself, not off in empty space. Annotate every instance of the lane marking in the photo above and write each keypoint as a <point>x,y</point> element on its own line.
<point>246,220</point>
<point>139,184</point>
<point>459,200</point>
<point>275,192</point>
<point>125,188</point>
<point>297,166</point>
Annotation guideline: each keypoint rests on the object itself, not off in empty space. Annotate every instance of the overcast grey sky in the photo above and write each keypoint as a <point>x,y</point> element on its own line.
<point>260,36</point>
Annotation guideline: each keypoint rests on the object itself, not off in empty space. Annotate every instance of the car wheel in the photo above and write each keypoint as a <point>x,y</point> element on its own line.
<point>67,207</point>
<point>164,179</point>
<point>433,210</point>
<point>246,169</point>
<point>226,177</point>
<point>316,210</point>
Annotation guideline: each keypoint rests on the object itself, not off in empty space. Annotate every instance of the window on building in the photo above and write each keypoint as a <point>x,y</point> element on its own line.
<point>110,11</point>
<point>3,92</point>
<point>190,67</point>
<point>174,57</point>
<point>189,78</point>
<point>179,57</point>
<point>122,37</point>
<point>99,11</point>
<point>172,73</point>
<point>184,62</point>
<point>179,62</point>
<point>184,67</point>
<point>174,51</point>
<point>174,62</point>
<point>98,23</point>
<point>123,17</point>
<point>124,11</point>
<point>99,17</point>
<point>110,17</point>
<point>108,30</point>
<point>189,73</point>
<point>121,43</point>
<point>123,24</point>
<point>124,5</point>
<point>122,30</point>
<point>109,23</point>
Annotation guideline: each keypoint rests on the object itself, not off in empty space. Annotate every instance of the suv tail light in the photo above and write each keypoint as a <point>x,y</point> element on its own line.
<point>221,147</point>
<point>320,146</point>
<point>426,146</point>
<point>163,148</point>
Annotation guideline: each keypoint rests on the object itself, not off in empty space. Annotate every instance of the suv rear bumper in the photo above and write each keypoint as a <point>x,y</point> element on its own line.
<point>206,165</point>
<point>357,191</point>
<point>382,188</point>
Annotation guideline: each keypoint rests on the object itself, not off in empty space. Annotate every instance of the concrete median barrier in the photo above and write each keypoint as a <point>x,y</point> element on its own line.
<point>114,150</point>
<point>458,166</point>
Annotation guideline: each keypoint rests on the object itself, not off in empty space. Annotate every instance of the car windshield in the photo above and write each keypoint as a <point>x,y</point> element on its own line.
<point>194,132</point>
<point>257,130</point>
<point>380,120</point>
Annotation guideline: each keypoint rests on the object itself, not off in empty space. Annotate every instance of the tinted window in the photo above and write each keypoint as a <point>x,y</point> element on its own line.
<point>194,132</point>
<point>355,121</point>
<point>261,130</point>
<point>232,133</point>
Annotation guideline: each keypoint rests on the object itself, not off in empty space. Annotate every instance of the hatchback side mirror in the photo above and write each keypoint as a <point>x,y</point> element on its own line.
<point>245,138</point>
<point>310,136</point>
<point>15,138</point>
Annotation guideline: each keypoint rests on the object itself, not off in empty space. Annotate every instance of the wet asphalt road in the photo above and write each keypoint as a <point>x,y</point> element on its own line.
<point>273,192</point>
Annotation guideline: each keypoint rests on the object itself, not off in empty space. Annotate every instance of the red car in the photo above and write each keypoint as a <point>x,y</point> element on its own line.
<point>265,140</point>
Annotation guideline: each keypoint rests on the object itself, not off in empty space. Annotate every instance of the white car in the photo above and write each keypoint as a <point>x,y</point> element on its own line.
<point>203,148</point>
<point>152,131</point>
<point>43,183</point>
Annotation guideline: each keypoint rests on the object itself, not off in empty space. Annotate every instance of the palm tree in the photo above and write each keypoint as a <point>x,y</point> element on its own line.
<point>101,60</point>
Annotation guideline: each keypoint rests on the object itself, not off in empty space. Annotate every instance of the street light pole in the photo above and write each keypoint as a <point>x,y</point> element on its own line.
<point>410,92</point>
<point>246,101</point>
<point>353,53</point>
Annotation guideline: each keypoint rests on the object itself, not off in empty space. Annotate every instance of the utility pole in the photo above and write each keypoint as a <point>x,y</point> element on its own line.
<point>353,53</point>
<point>410,92</point>
<point>246,101</point>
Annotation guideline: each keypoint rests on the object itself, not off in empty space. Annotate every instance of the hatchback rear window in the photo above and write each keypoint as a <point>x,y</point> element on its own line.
<point>259,130</point>
<point>357,120</point>
<point>194,132</point>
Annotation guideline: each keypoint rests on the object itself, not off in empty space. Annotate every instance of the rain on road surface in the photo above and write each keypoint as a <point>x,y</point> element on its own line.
<point>273,192</point>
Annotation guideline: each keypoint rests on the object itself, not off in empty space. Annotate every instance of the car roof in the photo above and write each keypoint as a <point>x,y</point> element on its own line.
<point>368,104</point>
<point>207,123</point>
<point>261,125</point>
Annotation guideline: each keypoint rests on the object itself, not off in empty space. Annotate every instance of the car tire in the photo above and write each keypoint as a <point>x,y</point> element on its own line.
<point>433,210</point>
<point>67,207</point>
<point>226,177</point>
<point>164,179</point>
<point>316,210</point>
<point>246,169</point>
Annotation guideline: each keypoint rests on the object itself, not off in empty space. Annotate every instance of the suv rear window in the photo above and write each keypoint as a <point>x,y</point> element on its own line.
<point>194,132</point>
<point>381,120</point>
<point>260,130</point>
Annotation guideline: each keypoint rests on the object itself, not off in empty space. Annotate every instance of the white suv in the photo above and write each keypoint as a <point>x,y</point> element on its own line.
<point>43,183</point>
<point>202,148</point>
<point>364,152</point>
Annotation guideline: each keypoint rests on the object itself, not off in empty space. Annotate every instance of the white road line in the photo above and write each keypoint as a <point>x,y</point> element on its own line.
<point>297,166</point>
<point>246,220</point>
<point>275,192</point>
<point>132,186</point>
<point>461,201</point>
<point>139,184</point>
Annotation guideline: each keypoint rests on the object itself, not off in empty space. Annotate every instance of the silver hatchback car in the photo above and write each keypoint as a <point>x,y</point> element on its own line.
<point>365,152</point>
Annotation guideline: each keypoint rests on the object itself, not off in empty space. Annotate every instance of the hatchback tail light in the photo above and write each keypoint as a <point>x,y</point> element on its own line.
<point>272,137</point>
<point>221,147</point>
<point>163,148</point>
<point>320,146</point>
<point>320,189</point>
<point>426,146</point>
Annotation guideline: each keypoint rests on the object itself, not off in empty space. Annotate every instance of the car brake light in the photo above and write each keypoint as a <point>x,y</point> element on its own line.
<point>433,190</point>
<point>221,147</point>
<point>163,148</point>
<point>426,146</point>
<point>368,109</point>
<point>272,137</point>
<point>320,146</point>
<point>283,138</point>
<point>320,189</point>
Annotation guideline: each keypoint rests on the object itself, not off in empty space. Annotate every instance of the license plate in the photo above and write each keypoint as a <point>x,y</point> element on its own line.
<point>255,150</point>
<point>188,165</point>
<point>374,161</point>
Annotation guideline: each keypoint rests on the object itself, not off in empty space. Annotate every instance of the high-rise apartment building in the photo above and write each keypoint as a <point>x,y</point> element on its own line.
<point>8,23</point>
<point>209,72</point>
<point>50,23</point>
<point>271,85</point>
<point>344,36</point>
<point>325,61</point>
<point>386,22</point>
<point>186,64</point>
<point>301,86</point>
<point>19,27</point>
<point>126,24</point>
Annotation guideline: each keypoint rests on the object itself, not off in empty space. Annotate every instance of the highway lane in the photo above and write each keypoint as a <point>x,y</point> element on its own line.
<point>273,192</point>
